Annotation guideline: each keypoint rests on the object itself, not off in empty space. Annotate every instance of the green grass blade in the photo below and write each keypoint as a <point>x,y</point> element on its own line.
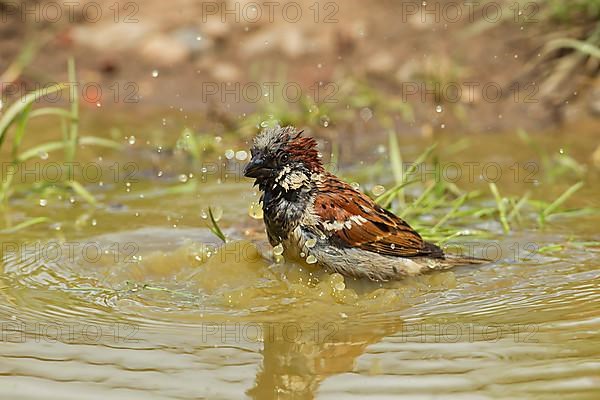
<point>457,204</point>
<point>501,207</point>
<point>418,201</point>
<point>561,199</point>
<point>516,210</point>
<point>98,141</point>
<point>23,225</point>
<point>50,111</point>
<point>6,182</point>
<point>18,65</point>
<point>43,148</point>
<point>386,199</point>
<point>334,158</point>
<point>83,192</point>
<point>17,107</point>
<point>420,159</point>
<point>448,238</point>
<point>396,161</point>
<point>215,227</point>
<point>21,124</point>
<point>74,124</point>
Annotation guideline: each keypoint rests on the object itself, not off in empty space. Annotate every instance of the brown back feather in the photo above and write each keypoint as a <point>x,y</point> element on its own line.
<point>380,232</point>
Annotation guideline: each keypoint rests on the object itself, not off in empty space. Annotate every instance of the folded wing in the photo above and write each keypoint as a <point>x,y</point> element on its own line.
<point>352,219</point>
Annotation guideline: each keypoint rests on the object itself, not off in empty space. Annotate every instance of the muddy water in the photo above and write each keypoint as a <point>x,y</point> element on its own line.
<point>137,299</point>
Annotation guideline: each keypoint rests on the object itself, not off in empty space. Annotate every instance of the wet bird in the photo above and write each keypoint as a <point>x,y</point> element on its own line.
<point>318,218</point>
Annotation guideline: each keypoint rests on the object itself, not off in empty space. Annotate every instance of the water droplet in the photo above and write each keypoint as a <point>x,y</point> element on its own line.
<point>310,243</point>
<point>155,73</point>
<point>302,254</point>
<point>255,210</point>
<point>264,124</point>
<point>229,154</point>
<point>159,174</point>
<point>392,246</point>
<point>98,104</point>
<point>43,155</point>
<point>278,250</point>
<point>198,38</point>
<point>355,185</point>
<point>241,155</point>
<point>203,214</point>
<point>561,151</point>
<point>218,139</point>
<point>324,121</point>
<point>43,202</point>
<point>442,126</point>
<point>516,56</point>
<point>339,286</point>
<point>439,108</point>
<point>131,139</point>
<point>164,121</point>
<point>94,222</point>
<point>183,178</point>
<point>366,114</point>
<point>378,190</point>
<point>311,259</point>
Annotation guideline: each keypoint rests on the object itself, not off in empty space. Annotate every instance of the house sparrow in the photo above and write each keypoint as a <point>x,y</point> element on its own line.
<point>317,218</point>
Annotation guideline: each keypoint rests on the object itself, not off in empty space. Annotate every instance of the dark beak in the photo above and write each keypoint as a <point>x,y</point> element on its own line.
<point>257,169</point>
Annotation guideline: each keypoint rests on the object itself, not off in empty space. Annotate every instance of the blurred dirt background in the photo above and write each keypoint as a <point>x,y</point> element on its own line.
<point>149,56</point>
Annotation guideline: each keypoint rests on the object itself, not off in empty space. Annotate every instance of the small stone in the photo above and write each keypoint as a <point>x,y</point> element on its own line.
<point>381,63</point>
<point>225,72</point>
<point>165,50</point>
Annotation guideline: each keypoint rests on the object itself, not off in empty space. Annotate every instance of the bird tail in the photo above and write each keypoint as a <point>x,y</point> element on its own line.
<point>453,260</point>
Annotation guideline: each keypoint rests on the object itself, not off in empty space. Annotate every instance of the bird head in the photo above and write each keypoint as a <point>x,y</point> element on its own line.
<point>283,156</point>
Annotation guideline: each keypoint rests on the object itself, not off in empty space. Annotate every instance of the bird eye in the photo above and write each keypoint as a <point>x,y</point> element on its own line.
<point>285,157</point>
